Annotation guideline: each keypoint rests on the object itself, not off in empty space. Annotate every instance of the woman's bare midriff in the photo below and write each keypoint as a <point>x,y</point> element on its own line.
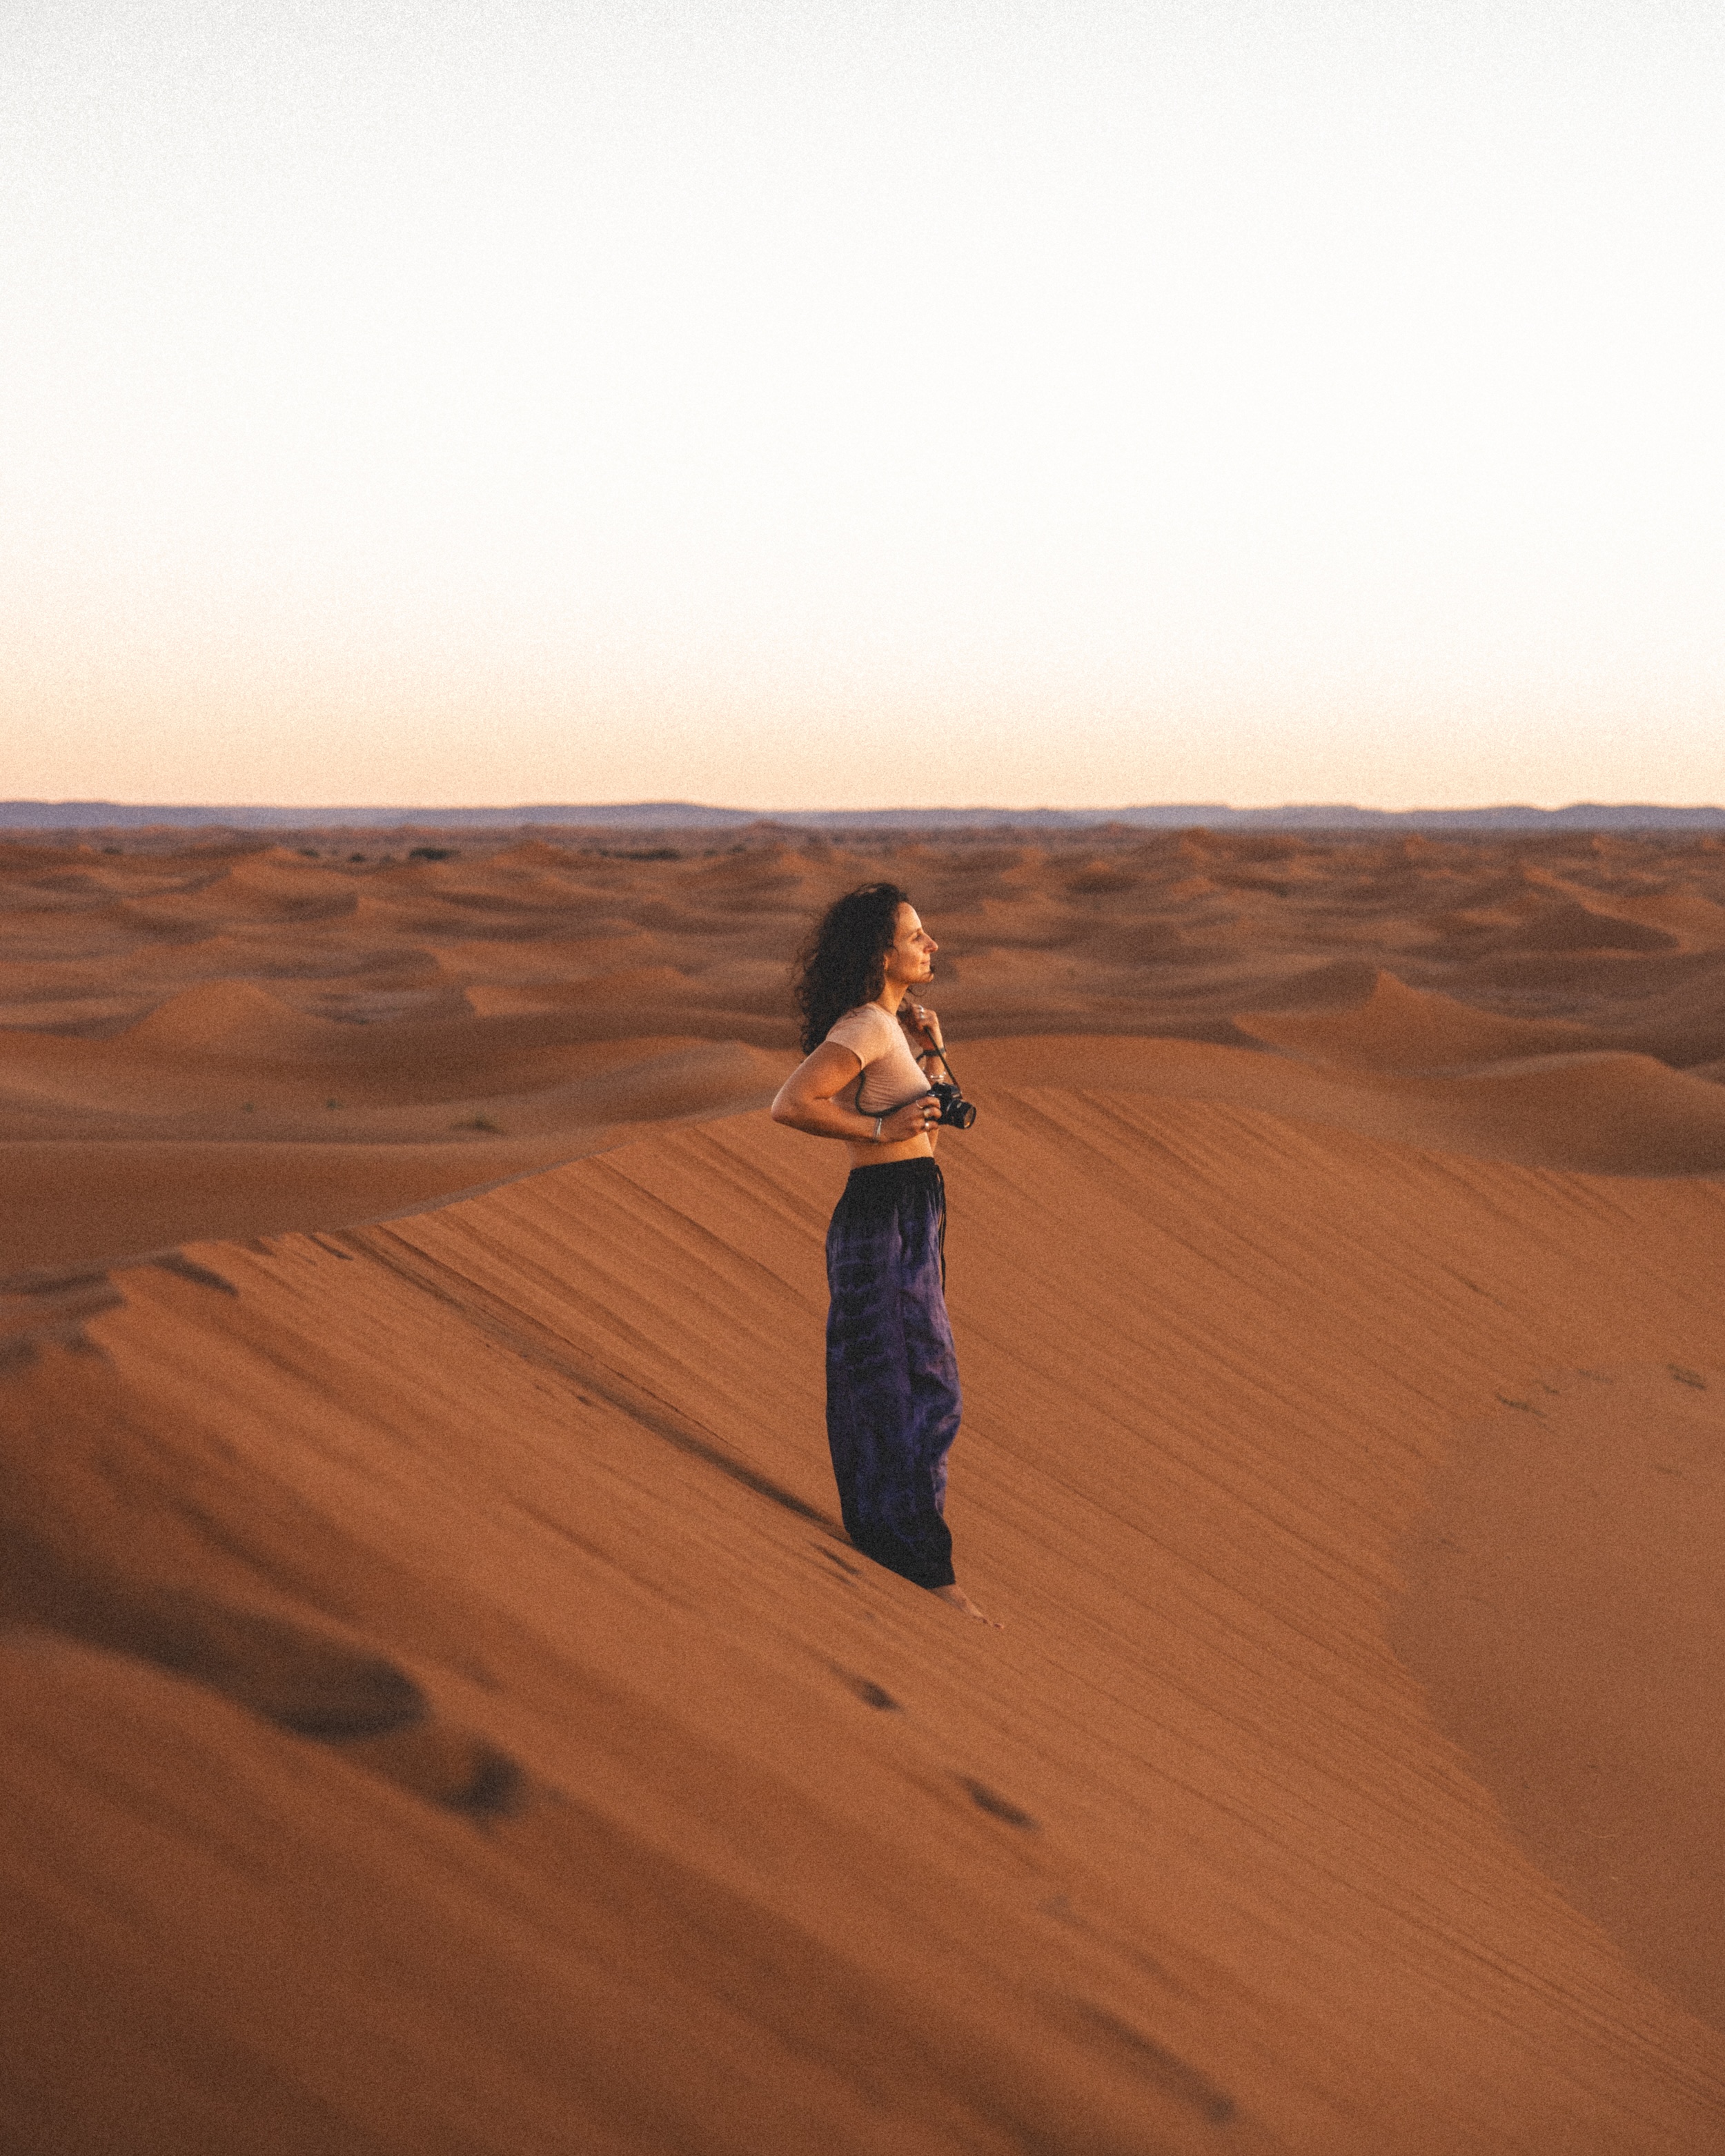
<point>867,1154</point>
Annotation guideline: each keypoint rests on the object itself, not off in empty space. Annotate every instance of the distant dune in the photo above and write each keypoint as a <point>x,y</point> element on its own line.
<point>440,1711</point>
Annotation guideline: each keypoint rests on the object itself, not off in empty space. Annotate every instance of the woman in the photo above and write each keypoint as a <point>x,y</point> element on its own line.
<point>892,1378</point>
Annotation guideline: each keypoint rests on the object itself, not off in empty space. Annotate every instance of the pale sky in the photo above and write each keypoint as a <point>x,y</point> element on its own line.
<point>844,405</point>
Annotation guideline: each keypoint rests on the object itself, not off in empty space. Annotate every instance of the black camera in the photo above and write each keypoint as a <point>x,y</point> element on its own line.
<point>955,1109</point>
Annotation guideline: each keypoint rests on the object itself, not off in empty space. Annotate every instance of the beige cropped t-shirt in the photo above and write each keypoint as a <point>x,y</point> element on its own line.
<point>891,1073</point>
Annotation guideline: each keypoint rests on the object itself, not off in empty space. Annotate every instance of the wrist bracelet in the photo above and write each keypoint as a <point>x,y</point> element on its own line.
<point>878,1120</point>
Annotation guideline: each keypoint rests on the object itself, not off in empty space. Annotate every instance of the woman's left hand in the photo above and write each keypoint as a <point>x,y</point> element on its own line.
<point>927,1023</point>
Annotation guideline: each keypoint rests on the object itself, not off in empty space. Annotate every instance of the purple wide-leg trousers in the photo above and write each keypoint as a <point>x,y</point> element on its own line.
<point>892,1378</point>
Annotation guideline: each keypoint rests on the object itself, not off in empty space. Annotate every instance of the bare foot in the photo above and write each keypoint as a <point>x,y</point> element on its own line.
<point>961,1601</point>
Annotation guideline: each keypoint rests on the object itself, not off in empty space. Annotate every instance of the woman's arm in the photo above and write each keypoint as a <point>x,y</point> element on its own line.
<point>807,1100</point>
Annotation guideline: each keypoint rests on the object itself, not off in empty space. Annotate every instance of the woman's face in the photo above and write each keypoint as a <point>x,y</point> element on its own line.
<point>911,957</point>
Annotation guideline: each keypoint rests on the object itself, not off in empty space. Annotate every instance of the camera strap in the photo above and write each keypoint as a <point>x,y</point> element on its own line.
<point>950,1072</point>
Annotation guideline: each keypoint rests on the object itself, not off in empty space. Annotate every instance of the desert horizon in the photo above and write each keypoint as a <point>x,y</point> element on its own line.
<point>576,821</point>
<point>442,1709</point>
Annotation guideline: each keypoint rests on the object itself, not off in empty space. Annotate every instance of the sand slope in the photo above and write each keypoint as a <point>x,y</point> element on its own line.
<point>448,1718</point>
<point>1564,1608</point>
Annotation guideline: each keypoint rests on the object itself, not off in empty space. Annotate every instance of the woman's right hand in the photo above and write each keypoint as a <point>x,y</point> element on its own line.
<point>915,1119</point>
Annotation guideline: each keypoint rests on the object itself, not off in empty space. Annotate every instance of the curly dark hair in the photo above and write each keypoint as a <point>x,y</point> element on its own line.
<point>844,962</point>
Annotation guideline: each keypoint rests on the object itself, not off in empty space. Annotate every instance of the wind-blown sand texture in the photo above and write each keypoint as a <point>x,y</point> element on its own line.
<point>441,1712</point>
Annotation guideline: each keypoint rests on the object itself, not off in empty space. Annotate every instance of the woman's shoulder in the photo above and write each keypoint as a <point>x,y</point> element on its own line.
<point>866,1030</point>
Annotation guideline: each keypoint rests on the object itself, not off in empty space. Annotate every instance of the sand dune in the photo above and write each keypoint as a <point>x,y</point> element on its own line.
<point>1612,1114</point>
<point>66,1198</point>
<point>441,1712</point>
<point>226,1018</point>
<point>509,1706</point>
<point>1392,1027</point>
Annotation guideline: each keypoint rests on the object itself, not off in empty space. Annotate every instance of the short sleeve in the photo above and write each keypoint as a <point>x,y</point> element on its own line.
<point>866,1031</point>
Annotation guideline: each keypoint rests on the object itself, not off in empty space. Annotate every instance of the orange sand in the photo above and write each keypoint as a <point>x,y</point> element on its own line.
<point>442,1713</point>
